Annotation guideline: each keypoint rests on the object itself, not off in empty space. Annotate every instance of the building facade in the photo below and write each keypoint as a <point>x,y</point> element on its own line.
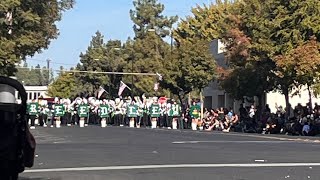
<point>33,92</point>
<point>216,97</point>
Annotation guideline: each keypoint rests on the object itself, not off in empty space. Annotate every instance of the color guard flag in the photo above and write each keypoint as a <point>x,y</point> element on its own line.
<point>122,87</point>
<point>101,90</point>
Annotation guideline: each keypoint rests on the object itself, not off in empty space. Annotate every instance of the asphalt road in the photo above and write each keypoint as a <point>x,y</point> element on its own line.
<point>120,153</point>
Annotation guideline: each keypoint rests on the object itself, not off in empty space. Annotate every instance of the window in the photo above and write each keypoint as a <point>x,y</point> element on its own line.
<point>221,101</point>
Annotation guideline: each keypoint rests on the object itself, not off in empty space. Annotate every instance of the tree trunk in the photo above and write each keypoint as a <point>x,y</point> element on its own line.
<point>310,98</point>
<point>182,103</point>
<point>261,106</point>
<point>287,109</point>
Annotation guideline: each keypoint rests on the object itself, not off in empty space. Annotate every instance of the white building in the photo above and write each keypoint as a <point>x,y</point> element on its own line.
<point>34,92</point>
<point>215,97</point>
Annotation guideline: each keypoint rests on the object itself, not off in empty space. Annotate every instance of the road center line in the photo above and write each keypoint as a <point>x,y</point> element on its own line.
<point>270,137</point>
<point>172,166</point>
<point>239,142</point>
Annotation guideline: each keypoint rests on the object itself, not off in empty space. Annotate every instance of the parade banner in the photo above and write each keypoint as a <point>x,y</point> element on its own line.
<point>59,110</point>
<point>175,110</point>
<point>154,110</point>
<point>83,111</point>
<point>33,108</point>
<point>132,111</point>
<point>104,111</point>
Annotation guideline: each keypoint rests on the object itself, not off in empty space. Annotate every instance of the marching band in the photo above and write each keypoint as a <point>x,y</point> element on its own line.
<point>136,112</point>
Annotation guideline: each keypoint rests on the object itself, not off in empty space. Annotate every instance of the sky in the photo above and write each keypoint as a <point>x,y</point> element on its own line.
<point>110,17</point>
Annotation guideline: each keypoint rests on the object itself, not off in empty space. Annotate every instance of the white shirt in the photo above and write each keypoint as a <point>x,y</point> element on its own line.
<point>251,112</point>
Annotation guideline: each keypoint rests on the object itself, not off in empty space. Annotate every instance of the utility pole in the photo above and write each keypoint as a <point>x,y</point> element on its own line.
<point>48,69</point>
<point>132,78</point>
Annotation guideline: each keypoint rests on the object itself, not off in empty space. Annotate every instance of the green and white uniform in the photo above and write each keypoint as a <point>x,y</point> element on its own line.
<point>195,111</point>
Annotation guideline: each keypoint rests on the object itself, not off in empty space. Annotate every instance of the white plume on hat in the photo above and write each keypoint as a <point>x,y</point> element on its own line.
<point>117,100</point>
<point>78,100</point>
<point>97,102</point>
<point>111,102</point>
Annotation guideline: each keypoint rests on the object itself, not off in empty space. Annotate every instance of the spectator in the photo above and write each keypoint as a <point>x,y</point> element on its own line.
<point>252,112</point>
<point>306,129</point>
<point>243,112</point>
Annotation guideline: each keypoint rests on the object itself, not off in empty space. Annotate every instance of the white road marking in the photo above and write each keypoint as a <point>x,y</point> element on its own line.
<point>240,142</point>
<point>273,137</point>
<point>166,166</point>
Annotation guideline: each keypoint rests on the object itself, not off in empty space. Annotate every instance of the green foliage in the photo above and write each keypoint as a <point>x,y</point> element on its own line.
<point>146,53</point>
<point>37,76</point>
<point>101,57</point>
<point>31,29</point>
<point>191,66</point>
<point>256,33</point>
<point>66,86</point>
<point>147,15</point>
<point>204,22</point>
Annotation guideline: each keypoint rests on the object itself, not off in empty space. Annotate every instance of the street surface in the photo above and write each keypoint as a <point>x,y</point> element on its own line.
<point>121,153</point>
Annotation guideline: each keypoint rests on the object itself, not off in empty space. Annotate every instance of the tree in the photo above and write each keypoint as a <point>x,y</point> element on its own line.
<point>147,15</point>
<point>191,66</point>
<point>65,86</point>
<point>204,22</point>
<point>144,56</point>
<point>34,76</point>
<point>27,27</point>
<point>146,53</point>
<point>304,63</point>
<point>274,29</point>
<point>101,57</point>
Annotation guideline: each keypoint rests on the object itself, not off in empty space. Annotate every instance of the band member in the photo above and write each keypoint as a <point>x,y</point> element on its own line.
<point>96,111</point>
<point>175,113</point>
<point>40,116</point>
<point>68,110</point>
<point>132,113</point>
<point>33,111</point>
<point>124,108</point>
<point>104,112</point>
<point>59,111</point>
<point>83,112</point>
<point>145,113</point>
<point>118,112</point>
<point>139,104</point>
<point>154,111</point>
<point>112,105</point>
<point>75,105</point>
<point>195,111</point>
<point>163,115</point>
<point>86,119</point>
<point>44,114</point>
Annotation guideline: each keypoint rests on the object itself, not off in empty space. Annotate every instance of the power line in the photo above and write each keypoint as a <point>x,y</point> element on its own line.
<point>51,62</point>
<point>96,72</point>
